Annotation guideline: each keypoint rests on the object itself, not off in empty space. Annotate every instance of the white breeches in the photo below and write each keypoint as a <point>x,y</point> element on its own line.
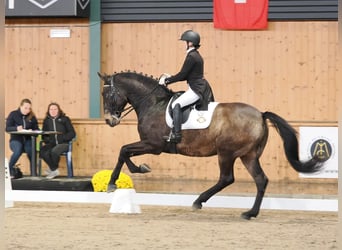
<point>187,98</point>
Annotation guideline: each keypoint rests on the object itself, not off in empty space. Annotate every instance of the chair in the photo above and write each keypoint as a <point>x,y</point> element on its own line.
<point>68,157</point>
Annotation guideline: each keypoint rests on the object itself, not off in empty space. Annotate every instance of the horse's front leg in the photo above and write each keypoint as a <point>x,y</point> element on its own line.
<point>127,151</point>
<point>115,175</point>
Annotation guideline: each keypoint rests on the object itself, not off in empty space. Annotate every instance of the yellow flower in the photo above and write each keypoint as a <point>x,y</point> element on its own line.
<point>101,179</point>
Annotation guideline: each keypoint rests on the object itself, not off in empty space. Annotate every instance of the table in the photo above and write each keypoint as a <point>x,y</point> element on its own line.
<point>34,134</point>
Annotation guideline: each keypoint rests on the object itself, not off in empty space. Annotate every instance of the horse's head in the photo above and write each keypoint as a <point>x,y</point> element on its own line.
<point>113,102</point>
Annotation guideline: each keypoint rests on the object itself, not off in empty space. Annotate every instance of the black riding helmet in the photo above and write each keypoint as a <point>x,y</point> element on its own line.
<point>191,36</point>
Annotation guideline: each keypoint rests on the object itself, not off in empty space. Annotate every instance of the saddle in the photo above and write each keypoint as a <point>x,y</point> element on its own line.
<point>192,116</point>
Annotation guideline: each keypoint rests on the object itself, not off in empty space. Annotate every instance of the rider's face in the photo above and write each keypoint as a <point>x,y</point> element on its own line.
<point>188,45</point>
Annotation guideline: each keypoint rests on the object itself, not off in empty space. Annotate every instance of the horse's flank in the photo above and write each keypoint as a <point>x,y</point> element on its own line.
<point>232,128</point>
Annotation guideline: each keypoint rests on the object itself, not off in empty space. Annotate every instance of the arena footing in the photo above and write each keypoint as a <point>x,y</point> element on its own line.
<point>60,183</point>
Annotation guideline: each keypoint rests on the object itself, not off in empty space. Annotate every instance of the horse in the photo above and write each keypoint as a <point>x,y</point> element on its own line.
<point>237,130</point>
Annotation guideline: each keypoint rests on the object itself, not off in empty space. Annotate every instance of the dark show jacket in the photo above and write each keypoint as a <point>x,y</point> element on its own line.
<point>15,119</point>
<point>60,124</point>
<point>192,72</point>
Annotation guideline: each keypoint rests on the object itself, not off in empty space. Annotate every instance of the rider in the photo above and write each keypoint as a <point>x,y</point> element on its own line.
<point>199,89</point>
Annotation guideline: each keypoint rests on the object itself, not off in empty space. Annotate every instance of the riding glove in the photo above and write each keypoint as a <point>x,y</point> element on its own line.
<point>162,79</point>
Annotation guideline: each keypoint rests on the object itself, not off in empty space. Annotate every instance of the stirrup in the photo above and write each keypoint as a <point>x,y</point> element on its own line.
<point>173,138</point>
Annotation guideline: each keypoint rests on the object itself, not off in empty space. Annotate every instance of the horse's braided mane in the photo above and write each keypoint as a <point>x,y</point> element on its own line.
<point>141,76</point>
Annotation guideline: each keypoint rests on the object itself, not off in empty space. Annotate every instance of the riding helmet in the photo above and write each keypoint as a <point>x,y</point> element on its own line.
<point>191,36</point>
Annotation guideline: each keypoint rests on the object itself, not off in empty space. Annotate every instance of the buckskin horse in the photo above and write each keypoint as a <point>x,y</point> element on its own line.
<point>237,130</point>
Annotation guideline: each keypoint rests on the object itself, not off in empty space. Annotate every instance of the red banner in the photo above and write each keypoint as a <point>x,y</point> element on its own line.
<point>240,14</point>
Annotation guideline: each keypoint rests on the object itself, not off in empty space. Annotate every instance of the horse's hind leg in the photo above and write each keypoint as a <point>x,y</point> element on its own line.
<point>260,179</point>
<point>226,178</point>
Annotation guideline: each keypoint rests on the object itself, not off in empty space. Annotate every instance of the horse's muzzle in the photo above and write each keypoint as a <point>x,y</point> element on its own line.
<point>112,120</point>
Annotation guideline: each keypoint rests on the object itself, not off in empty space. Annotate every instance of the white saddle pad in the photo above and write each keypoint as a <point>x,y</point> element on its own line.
<point>198,119</point>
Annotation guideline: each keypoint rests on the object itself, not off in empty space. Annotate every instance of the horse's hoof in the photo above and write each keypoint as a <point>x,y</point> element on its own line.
<point>196,206</point>
<point>144,168</point>
<point>111,188</point>
<point>247,216</point>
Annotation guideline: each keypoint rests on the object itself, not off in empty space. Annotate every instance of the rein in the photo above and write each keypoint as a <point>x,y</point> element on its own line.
<point>130,108</point>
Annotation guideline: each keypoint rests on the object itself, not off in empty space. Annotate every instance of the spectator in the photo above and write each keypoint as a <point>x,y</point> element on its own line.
<point>55,144</point>
<point>18,120</point>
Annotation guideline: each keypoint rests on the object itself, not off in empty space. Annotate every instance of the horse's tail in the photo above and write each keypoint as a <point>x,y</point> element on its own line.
<point>289,137</point>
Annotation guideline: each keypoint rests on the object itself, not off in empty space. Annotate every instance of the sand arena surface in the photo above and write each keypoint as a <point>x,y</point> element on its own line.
<point>91,226</point>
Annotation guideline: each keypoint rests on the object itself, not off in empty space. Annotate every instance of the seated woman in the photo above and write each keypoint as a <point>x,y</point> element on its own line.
<point>20,119</point>
<point>56,144</point>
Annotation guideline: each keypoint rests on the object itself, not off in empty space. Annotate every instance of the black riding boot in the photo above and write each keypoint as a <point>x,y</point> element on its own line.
<point>176,135</point>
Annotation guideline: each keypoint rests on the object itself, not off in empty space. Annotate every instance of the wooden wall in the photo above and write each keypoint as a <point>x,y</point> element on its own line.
<point>47,69</point>
<point>272,69</point>
<point>291,69</point>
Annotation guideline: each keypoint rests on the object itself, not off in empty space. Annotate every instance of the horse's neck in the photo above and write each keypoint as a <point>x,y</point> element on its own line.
<point>150,104</point>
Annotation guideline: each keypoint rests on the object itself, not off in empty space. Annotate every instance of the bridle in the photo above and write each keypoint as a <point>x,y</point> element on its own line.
<point>115,92</point>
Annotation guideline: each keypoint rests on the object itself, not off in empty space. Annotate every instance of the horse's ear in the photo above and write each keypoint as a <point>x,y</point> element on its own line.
<point>101,76</point>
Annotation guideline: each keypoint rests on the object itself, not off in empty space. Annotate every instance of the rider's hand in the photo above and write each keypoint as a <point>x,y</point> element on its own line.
<point>162,79</point>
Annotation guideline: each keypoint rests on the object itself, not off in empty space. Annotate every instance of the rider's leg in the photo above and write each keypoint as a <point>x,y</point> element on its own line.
<point>176,135</point>
<point>189,97</point>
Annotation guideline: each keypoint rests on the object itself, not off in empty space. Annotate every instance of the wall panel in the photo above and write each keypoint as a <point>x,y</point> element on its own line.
<point>272,70</point>
<point>47,69</point>
<point>202,10</point>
